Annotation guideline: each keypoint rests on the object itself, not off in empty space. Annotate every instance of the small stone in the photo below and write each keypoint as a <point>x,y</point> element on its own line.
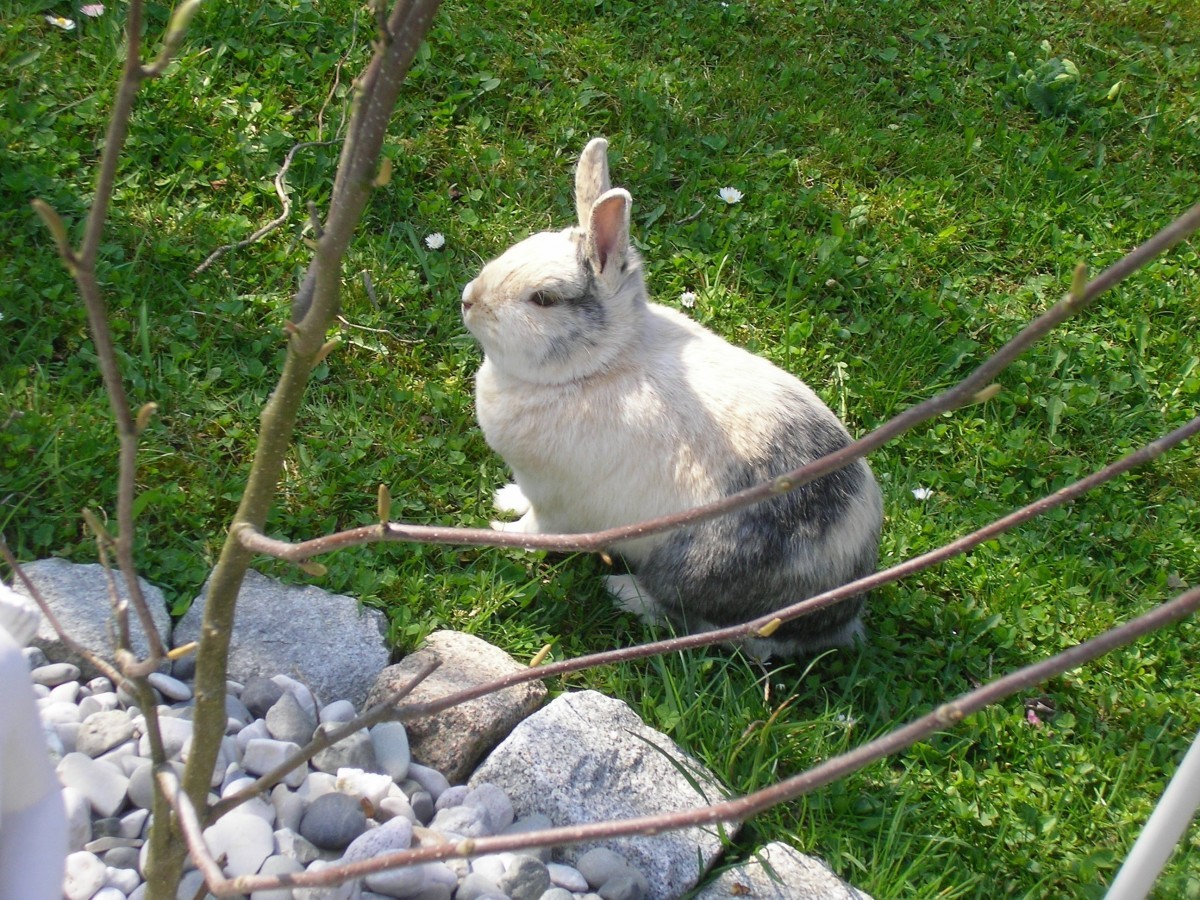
<point>101,731</point>
<point>526,824</point>
<point>352,752</point>
<point>390,742</point>
<point>141,782</point>
<point>109,892</point>
<point>121,858</point>
<point>122,879</point>
<point>256,730</point>
<point>490,866</point>
<point>422,806</point>
<point>105,701</point>
<point>175,733</point>
<point>622,887</point>
<point>79,818</point>
<point>287,720</point>
<point>338,712</point>
<point>396,834</point>
<point>100,685</point>
<point>52,713</point>
<point>85,875</point>
<point>557,893</point>
<point>600,864</point>
<point>123,756</point>
<point>245,840</point>
<point>238,716</point>
<point>430,779</point>
<point>525,879</point>
<point>369,785</point>
<point>277,865</point>
<point>466,821</point>
<point>293,846</point>
<point>68,692</point>
<point>109,826</point>
<point>259,695</point>
<point>104,844</point>
<point>191,885</point>
<point>54,675</point>
<point>68,736</point>
<point>171,688</point>
<point>494,803</point>
<point>289,808</point>
<point>452,797</point>
<point>132,823</point>
<point>316,784</point>
<point>476,886</point>
<point>395,807</point>
<point>333,821</point>
<point>261,756</point>
<point>300,691</point>
<point>104,785</point>
<point>567,877</point>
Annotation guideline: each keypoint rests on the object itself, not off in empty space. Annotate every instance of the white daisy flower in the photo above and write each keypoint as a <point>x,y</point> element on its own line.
<point>435,241</point>
<point>687,299</point>
<point>922,493</point>
<point>730,195</point>
<point>92,10</point>
<point>61,22</point>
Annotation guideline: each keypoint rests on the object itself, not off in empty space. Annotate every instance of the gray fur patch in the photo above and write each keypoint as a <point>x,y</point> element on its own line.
<point>589,319</point>
<point>752,562</point>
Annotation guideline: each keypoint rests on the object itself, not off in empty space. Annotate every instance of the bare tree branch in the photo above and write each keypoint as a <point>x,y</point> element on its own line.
<point>886,576</point>
<point>967,391</point>
<point>285,201</point>
<point>189,824</point>
<point>944,716</point>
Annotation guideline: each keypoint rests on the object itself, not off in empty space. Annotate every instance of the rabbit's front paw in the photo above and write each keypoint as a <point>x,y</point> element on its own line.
<point>632,597</point>
<point>511,499</point>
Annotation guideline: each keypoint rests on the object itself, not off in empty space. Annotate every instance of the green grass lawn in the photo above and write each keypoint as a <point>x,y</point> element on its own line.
<point>911,199</point>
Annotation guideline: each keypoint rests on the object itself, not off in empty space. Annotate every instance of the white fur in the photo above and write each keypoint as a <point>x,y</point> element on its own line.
<point>619,410</point>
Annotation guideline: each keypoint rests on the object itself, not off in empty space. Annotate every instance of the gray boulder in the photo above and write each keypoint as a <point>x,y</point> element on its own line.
<point>787,874</point>
<point>78,596</point>
<point>589,758</point>
<point>327,641</point>
<point>454,740</point>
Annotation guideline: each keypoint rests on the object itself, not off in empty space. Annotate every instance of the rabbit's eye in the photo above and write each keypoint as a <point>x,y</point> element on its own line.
<point>544,298</point>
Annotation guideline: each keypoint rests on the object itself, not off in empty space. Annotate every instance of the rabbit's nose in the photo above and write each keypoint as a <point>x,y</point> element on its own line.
<point>467,296</point>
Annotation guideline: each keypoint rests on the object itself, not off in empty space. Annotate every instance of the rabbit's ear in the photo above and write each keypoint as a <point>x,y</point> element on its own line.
<point>608,232</point>
<point>591,178</point>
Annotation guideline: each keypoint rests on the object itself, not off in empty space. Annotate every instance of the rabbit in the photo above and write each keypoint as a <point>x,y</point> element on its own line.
<point>611,409</point>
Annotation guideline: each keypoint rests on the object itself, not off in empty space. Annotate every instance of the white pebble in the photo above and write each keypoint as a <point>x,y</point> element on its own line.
<point>103,784</point>
<point>123,880</point>
<point>338,712</point>
<point>85,874</point>
<point>358,783</point>
<point>244,838</point>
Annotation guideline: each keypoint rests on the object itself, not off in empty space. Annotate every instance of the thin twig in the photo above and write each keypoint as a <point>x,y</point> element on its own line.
<point>739,809</point>
<point>887,576</point>
<point>189,824</point>
<point>965,392</point>
<point>285,201</point>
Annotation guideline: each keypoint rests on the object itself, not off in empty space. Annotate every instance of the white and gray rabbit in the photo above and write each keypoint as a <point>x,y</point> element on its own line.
<point>610,410</point>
